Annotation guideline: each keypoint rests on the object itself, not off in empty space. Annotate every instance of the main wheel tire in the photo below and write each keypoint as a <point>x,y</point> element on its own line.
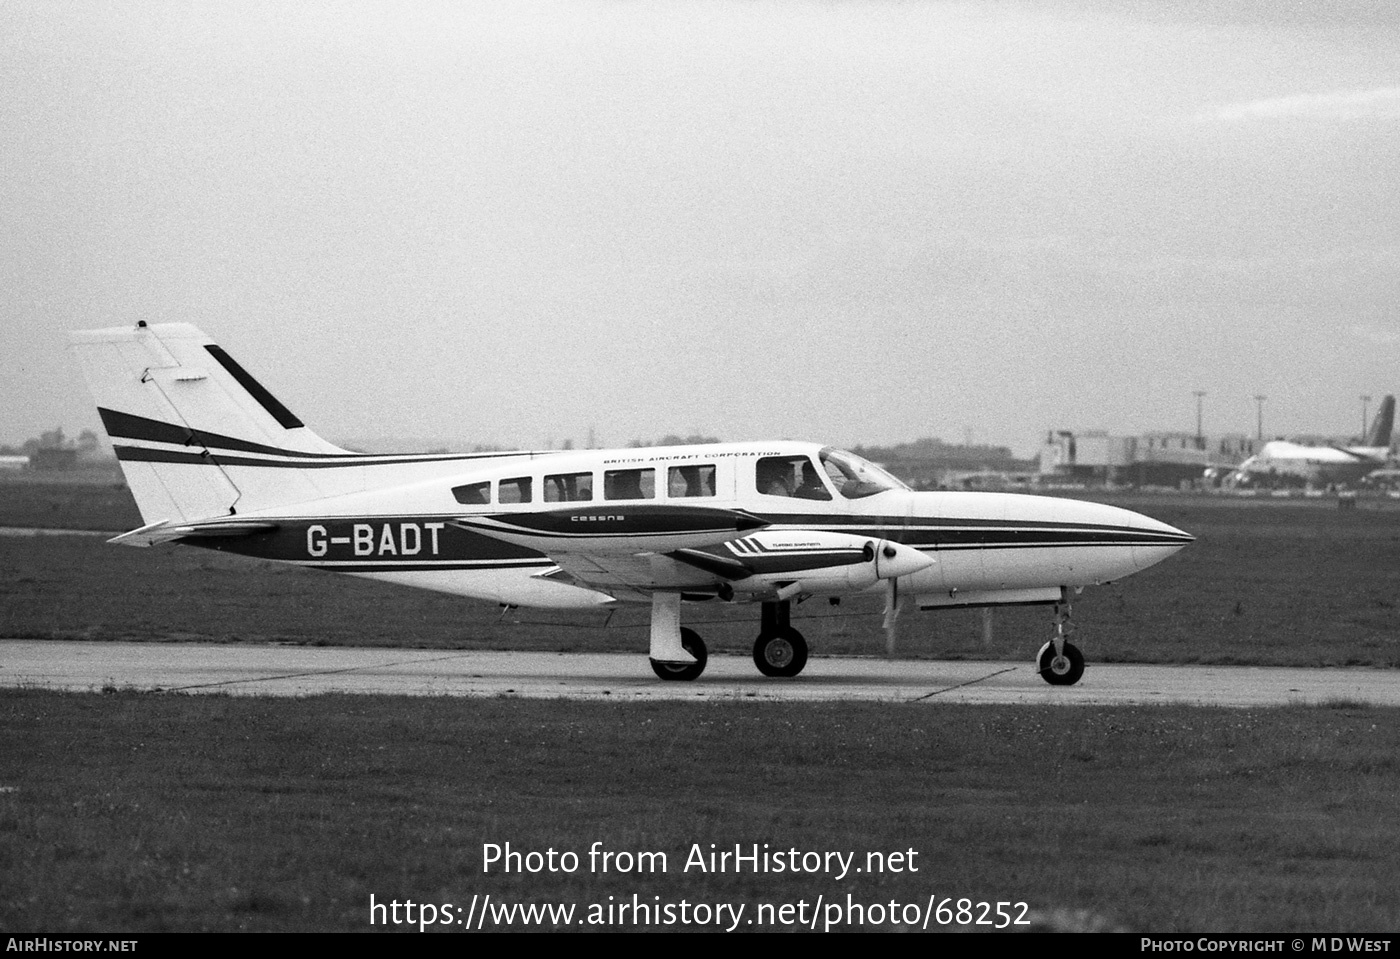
<point>1062,670</point>
<point>684,672</point>
<point>780,654</point>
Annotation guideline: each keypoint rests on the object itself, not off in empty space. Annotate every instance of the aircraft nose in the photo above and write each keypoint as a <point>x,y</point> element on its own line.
<point>1155,541</point>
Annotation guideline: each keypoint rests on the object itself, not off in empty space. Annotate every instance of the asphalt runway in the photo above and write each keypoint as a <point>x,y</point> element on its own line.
<point>308,671</point>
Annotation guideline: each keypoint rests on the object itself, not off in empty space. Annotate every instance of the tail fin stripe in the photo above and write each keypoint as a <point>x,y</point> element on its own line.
<point>259,392</point>
<point>142,454</point>
<point>128,427</point>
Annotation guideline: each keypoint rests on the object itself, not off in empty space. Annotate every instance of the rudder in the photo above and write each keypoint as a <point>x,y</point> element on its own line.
<point>178,410</point>
<point>1379,434</point>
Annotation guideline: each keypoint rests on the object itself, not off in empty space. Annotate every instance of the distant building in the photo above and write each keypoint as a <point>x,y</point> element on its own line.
<point>1152,459</point>
<point>931,463</point>
<point>11,463</point>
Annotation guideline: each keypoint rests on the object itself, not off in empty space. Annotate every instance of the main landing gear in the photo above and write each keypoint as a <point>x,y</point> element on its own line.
<point>1059,661</point>
<point>676,653</point>
<point>679,654</point>
<point>695,646</point>
<point>780,650</point>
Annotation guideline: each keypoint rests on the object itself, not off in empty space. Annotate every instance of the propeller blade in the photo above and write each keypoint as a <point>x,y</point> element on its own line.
<point>891,623</point>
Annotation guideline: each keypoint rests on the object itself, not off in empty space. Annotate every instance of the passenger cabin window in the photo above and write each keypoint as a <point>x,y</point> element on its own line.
<point>514,490</point>
<point>629,484</point>
<point>568,488</point>
<point>473,494</point>
<point>687,481</point>
<point>795,476</point>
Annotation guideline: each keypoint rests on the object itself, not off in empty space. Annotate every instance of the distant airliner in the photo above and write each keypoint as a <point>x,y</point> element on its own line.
<point>1281,462</point>
<point>214,460</point>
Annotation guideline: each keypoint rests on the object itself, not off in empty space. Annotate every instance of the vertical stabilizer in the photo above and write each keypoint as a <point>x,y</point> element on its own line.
<point>1378,435</point>
<point>181,412</point>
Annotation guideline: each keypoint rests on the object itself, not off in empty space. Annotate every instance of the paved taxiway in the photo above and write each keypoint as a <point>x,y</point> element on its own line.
<point>305,671</point>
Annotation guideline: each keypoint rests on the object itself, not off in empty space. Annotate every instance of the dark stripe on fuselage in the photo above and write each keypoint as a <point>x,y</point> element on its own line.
<point>395,541</point>
<point>142,454</point>
<point>616,521</point>
<point>368,543</point>
<point>929,533</point>
<point>965,534</point>
<point>410,567</point>
<point>971,537</point>
<point>891,523</point>
<point>920,532</point>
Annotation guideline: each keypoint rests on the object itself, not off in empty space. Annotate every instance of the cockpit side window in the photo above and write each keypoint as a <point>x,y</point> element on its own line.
<point>568,488</point>
<point>855,477</point>
<point>685,481</point>
<point>790,476</point>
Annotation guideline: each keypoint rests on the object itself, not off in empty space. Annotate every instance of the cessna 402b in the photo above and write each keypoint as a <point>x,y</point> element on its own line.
<point>214,460</point>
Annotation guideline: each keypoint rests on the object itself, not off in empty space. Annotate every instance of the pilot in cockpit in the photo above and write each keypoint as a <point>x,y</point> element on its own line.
<point>772,476</point>
<point>811,486</point>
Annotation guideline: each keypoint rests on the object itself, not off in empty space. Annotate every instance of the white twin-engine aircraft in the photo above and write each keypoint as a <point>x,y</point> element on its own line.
<point>214,460</point>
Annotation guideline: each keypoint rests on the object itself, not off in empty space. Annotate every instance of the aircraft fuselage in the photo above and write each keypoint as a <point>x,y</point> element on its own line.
<point>981,548</point>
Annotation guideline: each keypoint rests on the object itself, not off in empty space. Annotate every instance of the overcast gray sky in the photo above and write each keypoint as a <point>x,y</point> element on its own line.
<point>848,222</point>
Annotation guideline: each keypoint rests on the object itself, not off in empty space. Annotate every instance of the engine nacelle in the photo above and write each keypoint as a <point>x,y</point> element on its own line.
<point>791,562</point>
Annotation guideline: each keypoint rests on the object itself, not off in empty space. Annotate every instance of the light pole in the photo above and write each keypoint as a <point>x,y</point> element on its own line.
<point>1200,437</point>
<point>1259,415</point>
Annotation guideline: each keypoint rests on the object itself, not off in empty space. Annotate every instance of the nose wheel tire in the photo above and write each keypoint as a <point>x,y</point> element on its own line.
<point>780,654</point>
<point>684,672</point>
<point>1062,670</point>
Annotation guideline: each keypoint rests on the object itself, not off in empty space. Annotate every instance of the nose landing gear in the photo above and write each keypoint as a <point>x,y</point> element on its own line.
<point>684,672</point>
<point>1059,662</point>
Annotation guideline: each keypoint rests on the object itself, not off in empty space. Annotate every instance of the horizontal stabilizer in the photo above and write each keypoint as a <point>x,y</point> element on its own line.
<point>1358,455</point>
<point>166,532</point>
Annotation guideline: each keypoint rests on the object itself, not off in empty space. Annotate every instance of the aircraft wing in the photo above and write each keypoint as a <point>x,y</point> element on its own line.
<point>619,550</point>
<point>623,530</point>
<point>635,552</point>
<point>1362,455</point>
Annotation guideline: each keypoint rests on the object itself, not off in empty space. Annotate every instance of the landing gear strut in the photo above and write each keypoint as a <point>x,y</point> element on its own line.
<point>695,646</point>
<point>780,650</point>
<point>676,653</point>
<point>1059,661</point>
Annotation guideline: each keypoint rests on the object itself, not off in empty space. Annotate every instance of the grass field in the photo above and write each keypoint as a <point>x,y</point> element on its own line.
<point>146,812</point>
<point>95,499</point>
<point>131,812</point>
<point>1265,583</point>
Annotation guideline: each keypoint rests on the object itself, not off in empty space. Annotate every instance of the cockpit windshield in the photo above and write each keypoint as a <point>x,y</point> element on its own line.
<point>855,477</point>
